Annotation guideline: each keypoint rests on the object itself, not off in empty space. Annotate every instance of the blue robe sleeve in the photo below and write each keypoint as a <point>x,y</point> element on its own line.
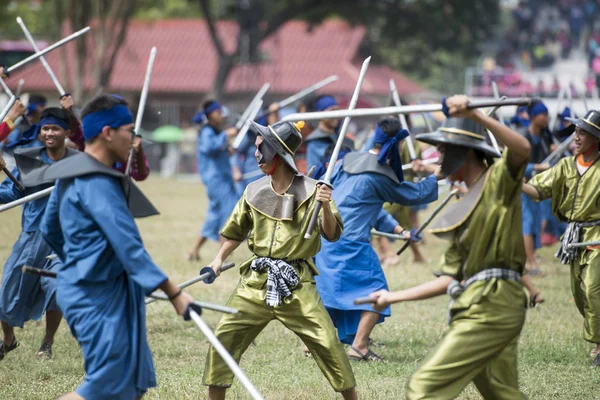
<point>50,225</point>
<point>105,201</point>
<point>9,191</point>
<point>210,143</point>
<point>407,193</point>
<point>385,222</point>
<point>315,152</point>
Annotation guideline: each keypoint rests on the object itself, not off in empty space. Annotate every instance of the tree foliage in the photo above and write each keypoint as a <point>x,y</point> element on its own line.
<point>431,40</point>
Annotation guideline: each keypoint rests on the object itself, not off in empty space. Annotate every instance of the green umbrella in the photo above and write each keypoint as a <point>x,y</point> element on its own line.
<point>167,133</point>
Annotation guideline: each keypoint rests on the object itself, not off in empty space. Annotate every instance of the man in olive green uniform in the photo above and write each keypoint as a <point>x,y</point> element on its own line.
<point>277,282</point>
<point>574,187</point>
<point>486,254</point>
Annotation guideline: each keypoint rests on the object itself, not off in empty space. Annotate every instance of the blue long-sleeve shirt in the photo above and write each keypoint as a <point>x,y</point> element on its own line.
<point>33,210</point>
<point>213,156</point>
<point>360,197</point>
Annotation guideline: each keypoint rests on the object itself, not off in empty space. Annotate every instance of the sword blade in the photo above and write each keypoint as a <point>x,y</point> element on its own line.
<point>42,58</point>
<point>48,49</point>
<point>141,106</point>
<point>435,212</point>
<point>403,123</point>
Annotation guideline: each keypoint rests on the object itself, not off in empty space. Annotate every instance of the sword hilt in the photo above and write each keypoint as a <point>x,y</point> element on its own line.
<point>38,271</point>
<point>365,300</point>
<point>208,276</point>
<point>14,179</point>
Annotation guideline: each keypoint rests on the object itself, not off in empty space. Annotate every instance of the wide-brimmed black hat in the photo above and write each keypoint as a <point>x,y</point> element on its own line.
<point>284,137</point>
<point>462,132</point>
<point>590,123</point>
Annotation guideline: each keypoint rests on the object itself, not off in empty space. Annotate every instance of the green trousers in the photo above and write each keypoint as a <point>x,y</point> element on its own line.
<point>480,346</point>
<point>303,313</point>
<point>585,285</point>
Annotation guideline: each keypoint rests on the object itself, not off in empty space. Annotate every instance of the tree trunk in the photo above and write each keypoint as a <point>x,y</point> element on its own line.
<point>226,63</point>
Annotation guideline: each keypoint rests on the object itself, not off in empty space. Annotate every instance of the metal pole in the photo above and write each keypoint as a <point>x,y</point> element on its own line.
<point>26,199</point>
<point>338,145</point>
<point>584,244</point>
<point>492,137</point>
<point>235,368</point>
<point>42,58</point>
<point>19,88</point>
<point>430,218</point>
<point>258,96</point>
<point>560,149</point>
<point>244,130</point>
<point>252,174</point>
<point>422,108</point>
<point>141,106</point>
<point>387,235</point>
<point>47,50</point>
<point>302,93</point>
<point>190,282</point>
<point>397,102</point>
<point>6,110</point>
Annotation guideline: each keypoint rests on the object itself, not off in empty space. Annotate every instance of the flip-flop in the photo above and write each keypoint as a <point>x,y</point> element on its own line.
<point>369,356</point>
<point>6,349</point>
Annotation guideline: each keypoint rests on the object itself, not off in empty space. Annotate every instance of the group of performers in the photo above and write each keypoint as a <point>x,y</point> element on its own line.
<point>306,277</point>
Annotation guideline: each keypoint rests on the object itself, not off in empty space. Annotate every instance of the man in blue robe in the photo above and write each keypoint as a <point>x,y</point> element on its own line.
<point>25,297</point>
<point>214,168</point>
<point>325,134</point>
<point>106,271</point>
<point>350,268</point>
<point>540,139</point>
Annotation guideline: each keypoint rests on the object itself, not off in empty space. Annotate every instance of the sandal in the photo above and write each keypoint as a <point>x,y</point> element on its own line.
<point>4,349</point>
<point>45,351</point>
<point>368,356</point>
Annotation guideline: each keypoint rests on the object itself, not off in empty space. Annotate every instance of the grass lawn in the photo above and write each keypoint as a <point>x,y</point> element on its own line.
<point>553,359</point>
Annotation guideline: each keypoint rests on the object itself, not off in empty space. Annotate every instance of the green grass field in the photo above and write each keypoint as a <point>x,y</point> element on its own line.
<point>553,361</point>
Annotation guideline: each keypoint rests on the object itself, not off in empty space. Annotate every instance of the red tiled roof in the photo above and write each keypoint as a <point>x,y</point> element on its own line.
<point>186,60</point>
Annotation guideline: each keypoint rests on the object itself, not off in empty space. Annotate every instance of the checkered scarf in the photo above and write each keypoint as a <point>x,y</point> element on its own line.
<point>282,277</point>
<point>455,289</point>
<point>572,235</point>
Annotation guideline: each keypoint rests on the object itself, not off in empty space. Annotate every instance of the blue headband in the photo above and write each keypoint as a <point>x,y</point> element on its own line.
<point>199,118</point>
<point>389,150</point>
<point>537,109</point>
<point>52,120</point>
<point>566,113</point>
<point>115,117</point>
<point>202,116</point>
<point>214,106</point>
<point>32,106</point>
<point>324,103</point>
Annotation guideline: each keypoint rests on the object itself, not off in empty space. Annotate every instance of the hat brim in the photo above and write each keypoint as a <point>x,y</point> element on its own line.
<point>275,143</point>
<point>580,123</point>
<point>437,137</point>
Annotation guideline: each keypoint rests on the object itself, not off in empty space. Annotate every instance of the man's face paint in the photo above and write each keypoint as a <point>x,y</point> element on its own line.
<point>264,153</point>
<point>453,158</point>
